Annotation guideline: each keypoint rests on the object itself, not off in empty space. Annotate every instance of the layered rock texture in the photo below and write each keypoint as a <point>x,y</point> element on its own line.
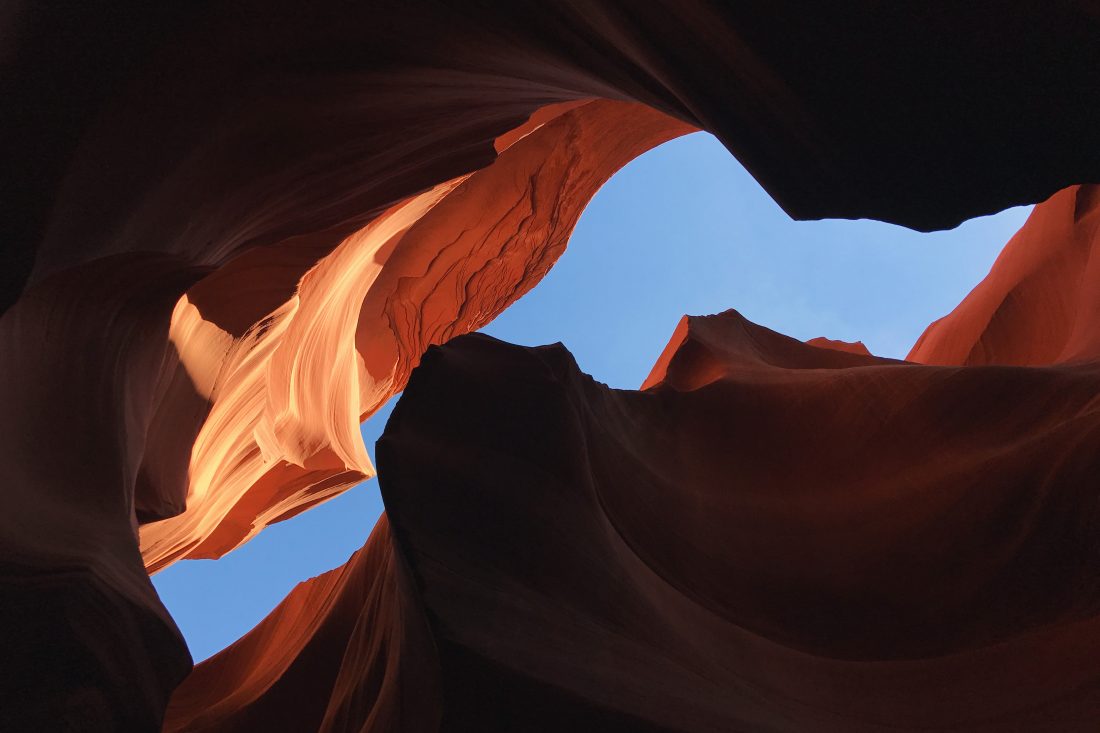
<point>770,536</point>
<point>234,229</point>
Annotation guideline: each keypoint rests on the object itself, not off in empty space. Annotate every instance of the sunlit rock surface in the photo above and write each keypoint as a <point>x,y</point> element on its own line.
<point>348,650</point>
<point>852,347</point>
<point>1040,303</point>
<point>770,536</point>
<point>288,394</point>
<point>232,229</point>
<point>758,541</point>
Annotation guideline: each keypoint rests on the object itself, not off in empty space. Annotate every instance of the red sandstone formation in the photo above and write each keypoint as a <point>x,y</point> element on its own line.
<point>286,396</point>
<point>233,228</point>
<point>1040,303</point>
<point>347,650</point>
<point>852,347</point>
<point>759,541</point>
<point>751,543</point>
<point>765,547</point>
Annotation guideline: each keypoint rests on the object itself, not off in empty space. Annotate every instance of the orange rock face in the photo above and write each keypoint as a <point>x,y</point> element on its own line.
<point>288,394</point>
<point>852,347</point>
<point>1040,303</point>
<point>233,230</point>
<point>287,673</point>
<point>751,543</point>
<point>248,416</point>
<point>759,541</point>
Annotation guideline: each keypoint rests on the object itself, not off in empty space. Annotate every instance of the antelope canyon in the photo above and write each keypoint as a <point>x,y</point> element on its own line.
<point>237,230</point>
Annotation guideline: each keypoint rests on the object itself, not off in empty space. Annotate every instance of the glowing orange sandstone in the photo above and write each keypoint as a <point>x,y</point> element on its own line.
<point>235,228</point>
<point>762,525</point>
<point>288,394</point>
<point>1040,303</point>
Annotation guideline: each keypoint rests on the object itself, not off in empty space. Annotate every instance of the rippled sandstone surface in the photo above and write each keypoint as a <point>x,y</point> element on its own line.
<point>232,230</point>
<point>757,541</point>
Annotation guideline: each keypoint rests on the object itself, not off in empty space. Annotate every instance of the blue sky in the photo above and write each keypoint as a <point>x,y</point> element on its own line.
<point>682,229</point>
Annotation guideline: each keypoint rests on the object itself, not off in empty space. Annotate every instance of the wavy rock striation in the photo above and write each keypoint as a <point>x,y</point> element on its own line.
<point>233,228</point>
<point>288,394</point>
<point>1040,303</point>
<point>236,416</point>
<point>751,543</point>
<point>758,540</point>
<point>345,651</point>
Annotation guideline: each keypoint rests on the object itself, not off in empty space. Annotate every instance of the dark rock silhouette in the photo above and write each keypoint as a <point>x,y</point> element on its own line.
<point>232,230</point>
<point>759,541</point>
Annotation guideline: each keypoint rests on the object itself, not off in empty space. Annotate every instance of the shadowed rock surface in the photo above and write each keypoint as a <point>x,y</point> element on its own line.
<point>759,541</point>
<point>767,539</point>
<point>232,229</point>
<point>770,536</point>
<point>347,650</point>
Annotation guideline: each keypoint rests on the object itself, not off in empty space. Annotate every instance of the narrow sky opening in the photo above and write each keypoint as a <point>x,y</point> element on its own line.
<point>682,229</point>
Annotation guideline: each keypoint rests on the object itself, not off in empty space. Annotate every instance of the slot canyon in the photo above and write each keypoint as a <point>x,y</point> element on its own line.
<point>236,231</point>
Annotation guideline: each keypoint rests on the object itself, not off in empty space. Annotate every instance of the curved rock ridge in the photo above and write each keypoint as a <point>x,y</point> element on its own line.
<point>286,396</point>
<point>219,400</point>
<point>201,132</point>
<point>852,347</point>
<point>231,229</point>
<point>345,651</point>
<point>87,644</point>
<point>750,543</point>
<point>756,550</point>
<point>1040,303</point>
<point>704,350</point>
